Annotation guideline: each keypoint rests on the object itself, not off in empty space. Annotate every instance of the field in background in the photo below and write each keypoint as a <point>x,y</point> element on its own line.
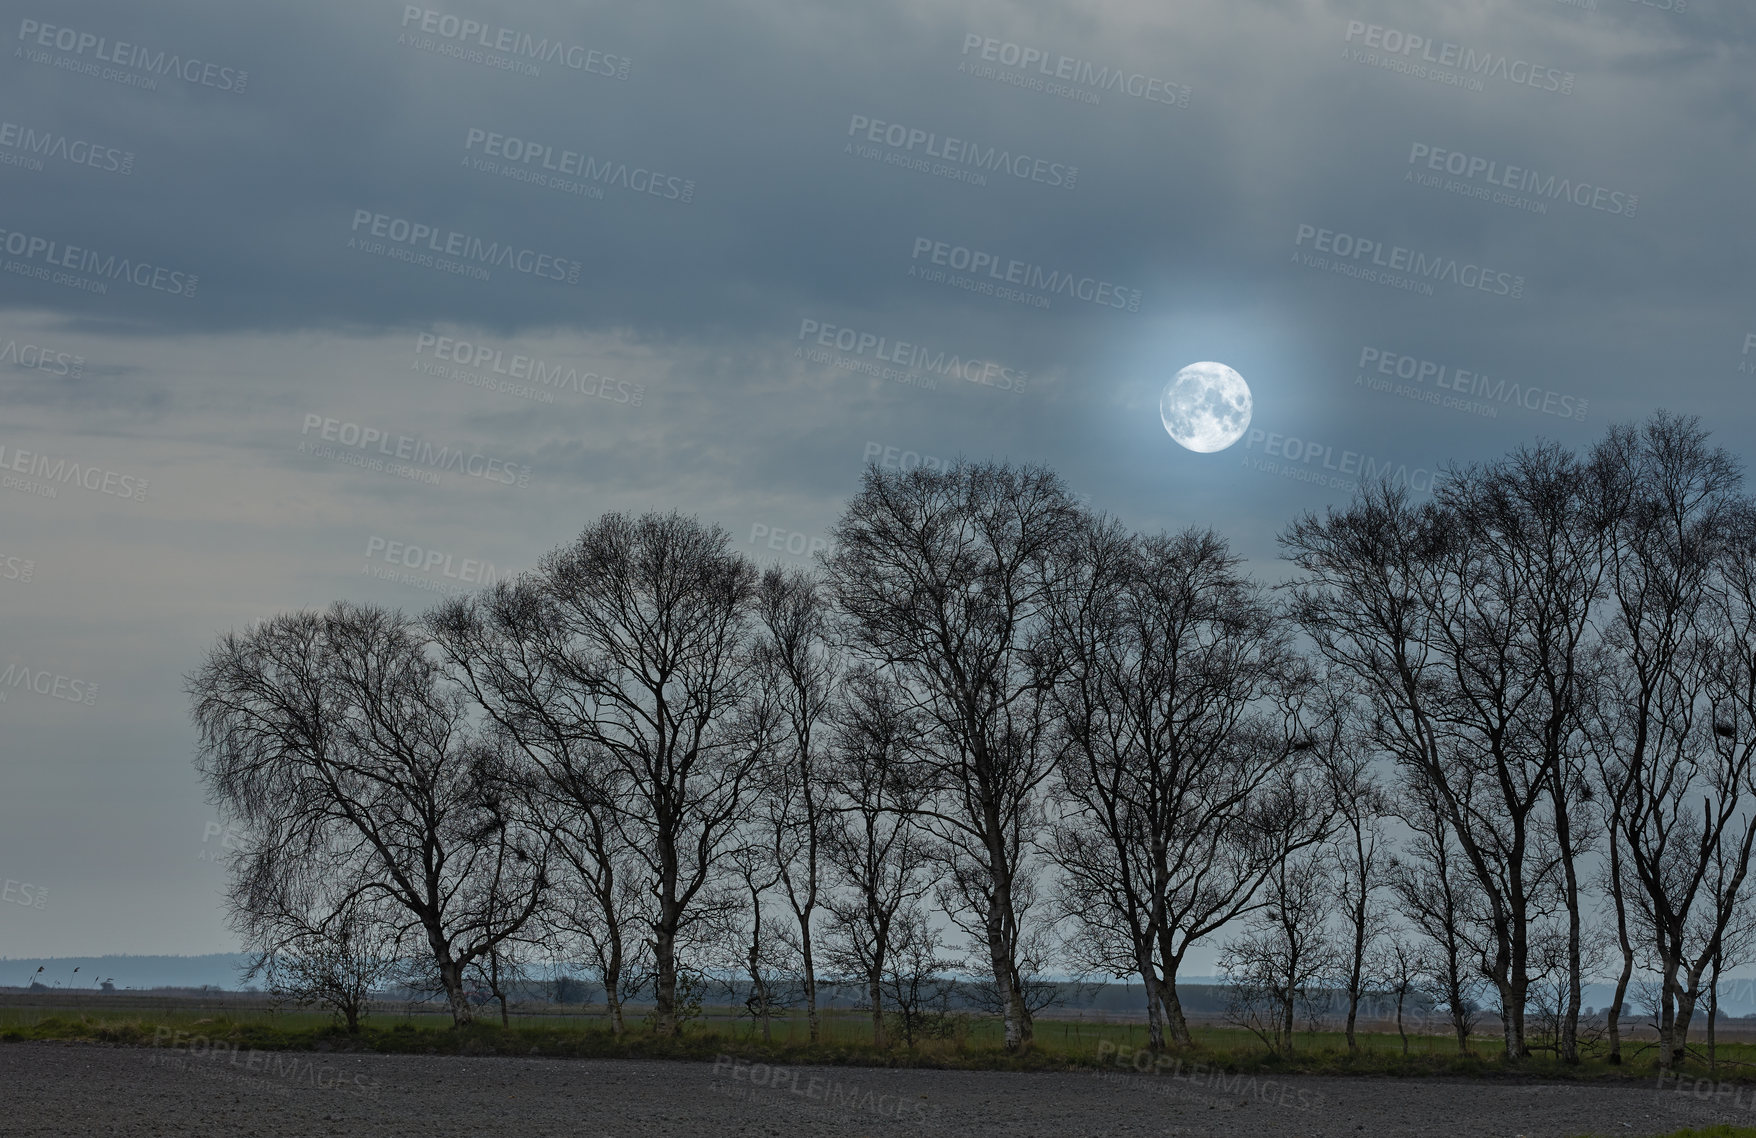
<point>1068,1041</point>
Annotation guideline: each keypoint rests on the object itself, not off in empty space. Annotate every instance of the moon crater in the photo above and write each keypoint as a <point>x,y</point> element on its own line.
<point>1206,407</point>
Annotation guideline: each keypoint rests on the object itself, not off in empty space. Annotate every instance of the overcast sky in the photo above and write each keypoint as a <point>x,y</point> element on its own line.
<point>244,244</point>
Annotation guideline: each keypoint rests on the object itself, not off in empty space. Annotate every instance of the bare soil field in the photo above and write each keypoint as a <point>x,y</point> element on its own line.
<point>88,1089</point>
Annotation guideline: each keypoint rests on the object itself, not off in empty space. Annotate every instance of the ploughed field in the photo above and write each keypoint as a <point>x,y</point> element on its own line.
<point>97,1089</point>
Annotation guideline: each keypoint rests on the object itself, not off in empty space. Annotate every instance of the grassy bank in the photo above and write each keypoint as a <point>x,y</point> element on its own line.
<point>970,1044</point>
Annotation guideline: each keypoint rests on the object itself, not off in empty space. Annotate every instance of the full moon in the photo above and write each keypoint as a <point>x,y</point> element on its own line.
<point>1206,407</point>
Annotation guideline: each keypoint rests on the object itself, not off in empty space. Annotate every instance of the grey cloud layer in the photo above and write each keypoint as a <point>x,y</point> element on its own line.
<point>802,216</point>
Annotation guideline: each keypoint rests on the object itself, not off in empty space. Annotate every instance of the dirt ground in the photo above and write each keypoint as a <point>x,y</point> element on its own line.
<point>85,1089</point>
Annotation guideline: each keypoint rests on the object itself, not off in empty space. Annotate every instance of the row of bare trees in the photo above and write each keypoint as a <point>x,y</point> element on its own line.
<point>1469,743</point>
<point>1555,653</point>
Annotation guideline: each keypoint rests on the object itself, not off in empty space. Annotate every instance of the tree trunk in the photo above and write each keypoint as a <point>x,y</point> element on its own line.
<point>1155,1026</point>
<point>613,984</point>
<point>1454,995</point>
<point>1173,1005</point>
<point>1613,1015</point>
<point>1512,998</point>
<point>1286,1020</point>
<point>758,990</point>
<point>451,976</point>
<point>665,985</point>
<point>1568,1044</point>
<point>811,1021</point>
<point>875,991</point>
<point>1713,1017</point>
<point>1358,966</point>
<point>613,1004</point>
<point>1401,995</point>
<point>613,965</point>
<point>1669,1049</point>
<point>495,987</point>
<point>1001,921</point>
<point>1009,1002</point>
<point>1687,999</point>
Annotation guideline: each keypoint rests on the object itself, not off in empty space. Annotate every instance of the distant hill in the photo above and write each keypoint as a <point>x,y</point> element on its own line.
<point>1201,995</point>
<point>218,970</point>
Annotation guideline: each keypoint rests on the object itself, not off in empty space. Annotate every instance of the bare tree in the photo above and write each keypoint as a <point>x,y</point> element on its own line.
<point>1286,957</point>
<point>1737,941</point>
<point>316,954</point>
<point>1400,965</point>
<point>1438,901</point>
<point>757,873</point>
<point>874,844</point>
<point>623,666</point>
<point>916,977</point>
<point>500,972</point>
<point>942,577</point>
<point>503,644</point>
<point>1463,621</point>
<point>1359,850</point>
<point>1547,519</point>
<point>1675,778</point>
<point>601,906</point>
<point>1552,971</point>
<point>1178,703</point>
<point>799,669</point>
<point>343,746</point>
